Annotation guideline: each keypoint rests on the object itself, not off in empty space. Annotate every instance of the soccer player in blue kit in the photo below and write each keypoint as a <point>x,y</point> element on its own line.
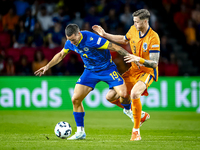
<point>94,51</point>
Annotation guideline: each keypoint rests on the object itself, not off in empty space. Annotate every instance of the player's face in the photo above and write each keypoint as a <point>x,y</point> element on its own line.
<point>138,23</point>
<point>74,38</point>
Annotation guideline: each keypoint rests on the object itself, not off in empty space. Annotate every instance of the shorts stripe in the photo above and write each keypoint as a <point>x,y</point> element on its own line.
<point>147,79</point>
<point>150,78</point>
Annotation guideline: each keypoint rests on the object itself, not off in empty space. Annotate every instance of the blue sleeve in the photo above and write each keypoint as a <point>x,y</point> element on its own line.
<point>97,41</point>
<point>67,46</point>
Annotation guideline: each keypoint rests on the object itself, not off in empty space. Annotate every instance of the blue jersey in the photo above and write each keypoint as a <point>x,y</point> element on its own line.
<point>93,50</point>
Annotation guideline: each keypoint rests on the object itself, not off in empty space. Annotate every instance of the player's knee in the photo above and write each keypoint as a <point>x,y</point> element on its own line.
<point>123,94</point>
<point>109,97</point>
<point>112,95</point>
<point>75,101</point>
<point>135,95</point>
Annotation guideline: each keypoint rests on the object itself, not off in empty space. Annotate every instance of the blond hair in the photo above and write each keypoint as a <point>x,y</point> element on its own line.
<point>142,14</point>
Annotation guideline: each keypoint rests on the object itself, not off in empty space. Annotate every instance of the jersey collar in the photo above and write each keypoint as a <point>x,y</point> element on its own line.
<point>144,34</point>
<point>80,39</point>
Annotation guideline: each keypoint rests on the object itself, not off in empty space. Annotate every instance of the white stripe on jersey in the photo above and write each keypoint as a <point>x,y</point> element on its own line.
<point>99,40</point>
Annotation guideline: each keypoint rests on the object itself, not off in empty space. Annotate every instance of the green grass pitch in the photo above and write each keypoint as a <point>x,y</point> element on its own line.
<point>105,130</point>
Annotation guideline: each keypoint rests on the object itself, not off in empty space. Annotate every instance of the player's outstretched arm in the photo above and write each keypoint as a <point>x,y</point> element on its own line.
<point>120,39</point>
<point>119,49</point>
<point>55,60</point>
<point>152,63</point>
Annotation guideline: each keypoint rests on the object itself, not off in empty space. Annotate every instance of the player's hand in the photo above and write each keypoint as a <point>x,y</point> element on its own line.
<point>131,58</point>
<point>99,30</point>
<point>139,65</point>
<point>41,71</point>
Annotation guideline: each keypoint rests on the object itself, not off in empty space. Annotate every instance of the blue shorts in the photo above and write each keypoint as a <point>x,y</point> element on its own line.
<point>110,75</point>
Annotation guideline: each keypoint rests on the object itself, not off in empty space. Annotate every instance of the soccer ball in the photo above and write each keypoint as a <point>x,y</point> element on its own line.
<point>63,130</point>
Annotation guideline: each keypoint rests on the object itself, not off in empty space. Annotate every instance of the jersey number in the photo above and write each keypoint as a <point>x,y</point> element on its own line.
<point>114,75</point>
<point>134,49</point>
<point>85,55</point>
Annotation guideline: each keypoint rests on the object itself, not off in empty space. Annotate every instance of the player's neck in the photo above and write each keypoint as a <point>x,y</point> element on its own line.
<point>142,32</point>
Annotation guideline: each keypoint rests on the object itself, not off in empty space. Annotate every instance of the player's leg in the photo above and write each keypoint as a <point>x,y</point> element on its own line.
<point>80,92</point>
<point>113,98</point>
<point>118,93</point>
<point>124,100</point>
<point>136,92</point>
<point>140,88</point>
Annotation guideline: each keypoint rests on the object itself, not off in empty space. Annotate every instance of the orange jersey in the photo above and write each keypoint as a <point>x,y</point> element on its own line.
<point>142,46</point>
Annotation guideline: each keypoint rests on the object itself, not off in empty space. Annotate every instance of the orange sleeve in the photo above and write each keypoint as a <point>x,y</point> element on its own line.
<point>154,46</point>
<point>129,33</point>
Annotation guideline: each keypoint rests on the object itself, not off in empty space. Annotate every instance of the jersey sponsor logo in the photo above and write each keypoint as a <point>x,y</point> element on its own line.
<point>91,38</point>
<point>99,40</point>
<point>155,45</point>
<point>86,49</point>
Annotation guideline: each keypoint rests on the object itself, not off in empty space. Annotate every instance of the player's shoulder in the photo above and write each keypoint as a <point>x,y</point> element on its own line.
<point>89,36</point>
<point>133,28</point>
<point>132,32</point>
<point>68,44</point>
<point>154,34</point>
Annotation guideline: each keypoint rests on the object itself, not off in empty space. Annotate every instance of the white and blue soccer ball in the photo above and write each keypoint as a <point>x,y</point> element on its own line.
<point>63,129</point>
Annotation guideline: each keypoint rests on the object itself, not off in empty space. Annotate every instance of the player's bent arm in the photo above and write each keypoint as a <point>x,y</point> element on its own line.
<point>119,49</point>
<point>56,59</point>
<point>153,62</point>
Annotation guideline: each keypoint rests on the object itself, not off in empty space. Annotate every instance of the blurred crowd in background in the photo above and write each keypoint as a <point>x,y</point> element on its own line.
<point>32,32</point>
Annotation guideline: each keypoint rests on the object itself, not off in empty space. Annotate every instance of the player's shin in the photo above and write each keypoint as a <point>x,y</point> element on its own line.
<point>117,102</point>
<point>79,119</point>
<point>127,106</point>
<point>136,108</point>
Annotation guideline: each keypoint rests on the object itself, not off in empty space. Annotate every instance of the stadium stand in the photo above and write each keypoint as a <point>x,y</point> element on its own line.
<point>163,20</point>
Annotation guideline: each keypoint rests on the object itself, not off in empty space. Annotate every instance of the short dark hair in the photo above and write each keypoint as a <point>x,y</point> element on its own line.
<point>71,29</point>
<point>142,14</point>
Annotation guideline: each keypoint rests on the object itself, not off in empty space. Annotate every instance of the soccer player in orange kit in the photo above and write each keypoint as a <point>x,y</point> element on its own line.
<point>145,46</point>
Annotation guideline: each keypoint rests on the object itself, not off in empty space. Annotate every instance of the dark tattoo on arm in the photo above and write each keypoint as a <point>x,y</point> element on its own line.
<point>153,62</point>
<point>118,49</point>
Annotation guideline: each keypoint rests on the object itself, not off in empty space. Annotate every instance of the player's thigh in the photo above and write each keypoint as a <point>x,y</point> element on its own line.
<point>145,79</point>
<point>80,92</point>
<point>138,89</point>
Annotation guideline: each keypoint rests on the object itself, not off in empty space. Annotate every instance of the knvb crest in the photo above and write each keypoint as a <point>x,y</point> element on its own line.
<point>145,46</point>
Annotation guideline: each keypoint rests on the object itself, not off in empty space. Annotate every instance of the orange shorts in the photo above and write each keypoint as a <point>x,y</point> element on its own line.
<point>131,77</point>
